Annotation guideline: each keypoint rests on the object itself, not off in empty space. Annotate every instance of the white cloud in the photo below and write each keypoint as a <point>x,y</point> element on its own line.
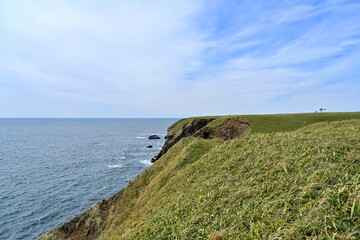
<point>138,49</point>
<point>142,58</point>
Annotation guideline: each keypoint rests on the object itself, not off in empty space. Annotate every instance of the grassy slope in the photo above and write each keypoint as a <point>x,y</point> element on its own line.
<point>286,184</point>
<point>287,179</point>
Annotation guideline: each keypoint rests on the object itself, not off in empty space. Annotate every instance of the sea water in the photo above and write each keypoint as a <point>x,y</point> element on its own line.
<point>53,169</point>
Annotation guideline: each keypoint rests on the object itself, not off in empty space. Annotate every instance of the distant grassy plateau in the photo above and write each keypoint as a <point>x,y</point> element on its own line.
<point>281,176</point>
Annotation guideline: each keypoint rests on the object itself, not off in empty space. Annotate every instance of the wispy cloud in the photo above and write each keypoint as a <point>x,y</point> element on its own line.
<point>314,58</point>
<point>171,58</point>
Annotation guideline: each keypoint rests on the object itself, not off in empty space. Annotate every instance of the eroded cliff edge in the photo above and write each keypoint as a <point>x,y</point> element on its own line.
<point>89,224</point>
<point>280,181</point>
<point>225,129</point>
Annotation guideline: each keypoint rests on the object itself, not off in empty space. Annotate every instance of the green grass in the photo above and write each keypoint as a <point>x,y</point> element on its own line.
<point>290,185</point>
<point>272,122</point>
<point>294,177</point>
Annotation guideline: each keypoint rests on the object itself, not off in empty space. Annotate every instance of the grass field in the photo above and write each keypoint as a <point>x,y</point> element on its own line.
<point>293,177</point>
<point>273,122</point>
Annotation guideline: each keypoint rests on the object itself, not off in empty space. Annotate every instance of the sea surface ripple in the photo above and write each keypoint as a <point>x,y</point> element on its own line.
<point>53,169</point>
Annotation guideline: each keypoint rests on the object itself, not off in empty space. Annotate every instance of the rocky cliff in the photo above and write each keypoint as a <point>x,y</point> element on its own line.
<point>214,180</point>
<point>89,224</point>
<point>198,127</point>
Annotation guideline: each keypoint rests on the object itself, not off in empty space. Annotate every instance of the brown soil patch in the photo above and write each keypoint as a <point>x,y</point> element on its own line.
<point>225,131</point>
<point>88,225</point>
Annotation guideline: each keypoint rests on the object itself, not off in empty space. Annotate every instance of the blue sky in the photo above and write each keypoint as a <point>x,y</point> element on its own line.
<point>177,58</point>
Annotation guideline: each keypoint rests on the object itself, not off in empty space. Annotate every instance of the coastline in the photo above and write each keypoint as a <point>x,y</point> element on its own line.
<point>195,142</point>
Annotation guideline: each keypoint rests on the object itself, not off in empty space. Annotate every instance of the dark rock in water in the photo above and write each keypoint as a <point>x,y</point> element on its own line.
<point>150,146</point>
<point>154,137</point>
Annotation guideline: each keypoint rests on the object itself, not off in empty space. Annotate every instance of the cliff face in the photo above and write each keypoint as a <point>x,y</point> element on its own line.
<point>186,131</point>
<point>90,223</point>
<point>271,184</point>
<point>199,127</point>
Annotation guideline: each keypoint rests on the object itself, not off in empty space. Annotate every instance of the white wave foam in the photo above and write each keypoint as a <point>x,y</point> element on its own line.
<point>140,137</point>
<point>122,157</point>
<point>114,166</point>
<point>146,161</point>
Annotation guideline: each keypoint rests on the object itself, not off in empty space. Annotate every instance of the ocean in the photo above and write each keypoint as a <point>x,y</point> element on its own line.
<point>53,169</point>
